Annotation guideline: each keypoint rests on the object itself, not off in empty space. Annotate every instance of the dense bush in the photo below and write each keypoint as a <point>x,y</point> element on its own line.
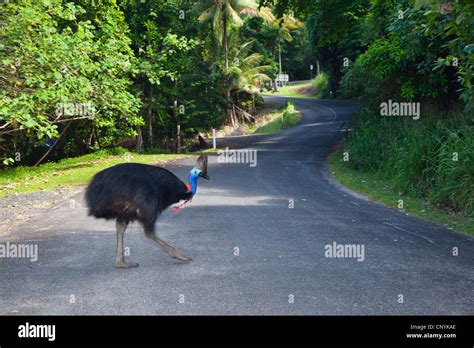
<point>431,157</point>
<point>416,156</point>
<point>54,54</point>
<point>152,72</point>
<point>321,85</point>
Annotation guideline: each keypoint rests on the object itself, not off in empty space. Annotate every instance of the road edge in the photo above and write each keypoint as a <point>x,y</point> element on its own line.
<point>329,169</point>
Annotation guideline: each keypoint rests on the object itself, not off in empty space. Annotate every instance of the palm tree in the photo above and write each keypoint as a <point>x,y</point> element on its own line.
<point>245,74</point>
<point>245,71</point>
<point>221,12</point>
<point>284,25</point>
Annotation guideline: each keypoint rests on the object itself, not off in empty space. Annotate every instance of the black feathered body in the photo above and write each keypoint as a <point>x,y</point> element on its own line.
<point>134,191</point>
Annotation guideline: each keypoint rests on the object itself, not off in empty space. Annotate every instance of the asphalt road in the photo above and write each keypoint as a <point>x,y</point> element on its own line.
<point>281,267</point>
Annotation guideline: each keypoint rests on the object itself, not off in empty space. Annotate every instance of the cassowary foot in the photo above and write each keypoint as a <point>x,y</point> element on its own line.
<point>168,248</point>
<point>125,264</point>
<point>177,255</point>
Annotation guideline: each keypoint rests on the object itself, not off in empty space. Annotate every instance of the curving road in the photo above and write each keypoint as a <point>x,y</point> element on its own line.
<point>281,267</point>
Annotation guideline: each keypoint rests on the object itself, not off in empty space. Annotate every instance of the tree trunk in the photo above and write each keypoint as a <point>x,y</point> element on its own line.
<point>235,120</point>
<point>139,146</point>
<point>178,138</point>
<point>224,40</point>
<point>279,55</point>
<point>230,112</point>
<point>54,144</point>
<point>230,118</point>
<point>97,137</point>
<point>150,116</point>
<point>89,141</point>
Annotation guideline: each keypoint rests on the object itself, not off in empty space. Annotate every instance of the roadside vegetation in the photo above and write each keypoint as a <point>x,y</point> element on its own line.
<point>317,88</point>
<point>83,76</point>
<point>71,171</point>
<point>431,159</point>
<point>416,53</point>
<point>275,121</point>
<point>303,90</point>
<point>79,79</point>
<point>383,189</point>
<point>79,170</point>
<point>430,155</point>
<point>321,86</point>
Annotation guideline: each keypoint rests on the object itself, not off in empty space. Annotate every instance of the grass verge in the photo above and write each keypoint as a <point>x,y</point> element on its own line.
<point>295,91</point>
<point>275,120</point>
<point>70,171</point>
<point>381,191</point>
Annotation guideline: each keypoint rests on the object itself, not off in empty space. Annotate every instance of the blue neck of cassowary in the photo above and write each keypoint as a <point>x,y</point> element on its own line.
<point>192,178</point>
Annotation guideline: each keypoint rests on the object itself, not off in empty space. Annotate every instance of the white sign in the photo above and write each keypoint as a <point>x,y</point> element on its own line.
<point>214,138</point>
<point>282,78</point>
<point>311,66</point>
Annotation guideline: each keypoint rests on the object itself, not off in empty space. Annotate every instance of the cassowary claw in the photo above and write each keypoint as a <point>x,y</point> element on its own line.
<point>126,264</point>
<point>181,257</point>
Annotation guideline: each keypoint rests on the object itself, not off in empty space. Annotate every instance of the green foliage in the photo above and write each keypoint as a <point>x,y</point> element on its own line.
<point>438,67</point>
<point>304,91</point>
<point>56,52</point>
<point>70,171</point>
<point>170,71</point>
<point>146,69</point>
<point>321,84</point>
<point>439,167</point>
<point>451,23</point>
<point>285,118</point>
<point>152,72</point>
<point>437,72</point>
<point>263,39</point>
<point>334,33</point>
<point>245,71</point>
<point>419,51</point>
<point>379,189</point>
<point>268,39</point>
<point>297,56</point>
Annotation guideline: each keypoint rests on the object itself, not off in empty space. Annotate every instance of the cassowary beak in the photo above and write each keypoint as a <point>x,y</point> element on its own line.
<point>205,176</point>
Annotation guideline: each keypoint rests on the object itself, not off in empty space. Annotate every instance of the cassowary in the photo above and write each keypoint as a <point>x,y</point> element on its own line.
<point>135,191</point>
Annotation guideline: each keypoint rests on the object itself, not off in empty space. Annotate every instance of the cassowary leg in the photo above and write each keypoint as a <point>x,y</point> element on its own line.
<point>150,233</point>
<point>119,258</point>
